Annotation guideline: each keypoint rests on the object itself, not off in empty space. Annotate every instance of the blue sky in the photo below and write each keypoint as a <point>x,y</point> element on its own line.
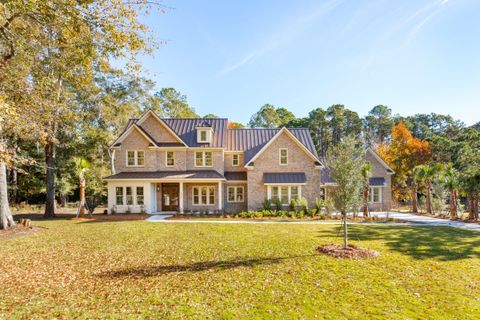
<point>231,57</point>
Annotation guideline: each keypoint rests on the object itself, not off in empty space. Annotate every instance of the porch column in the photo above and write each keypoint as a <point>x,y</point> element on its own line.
<point>220,196</point>
<point>180,195</point>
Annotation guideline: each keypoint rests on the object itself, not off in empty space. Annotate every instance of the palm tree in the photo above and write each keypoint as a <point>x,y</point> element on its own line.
<point>427,174</point>
<point>415,179</point>
<point>452,183</point>
<point>366,171</point>
<point>81,167</point>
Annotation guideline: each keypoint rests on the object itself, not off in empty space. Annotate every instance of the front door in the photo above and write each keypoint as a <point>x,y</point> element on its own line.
<point>170,198</point>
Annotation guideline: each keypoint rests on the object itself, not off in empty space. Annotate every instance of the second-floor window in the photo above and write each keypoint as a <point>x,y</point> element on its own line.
<point>203,159</point>
<point>170,159</point>
<point>135,158</point>
<point>235,160</point>
<point>283,156</point>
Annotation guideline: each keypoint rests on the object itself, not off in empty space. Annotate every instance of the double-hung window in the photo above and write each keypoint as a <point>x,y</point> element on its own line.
<point>170,159</point>
<point>203,159</point>
<point>119,196</point>
<point>235,194</point>
<point>140,196</point>
<point>135,158</point>
<point>235,160</point>
<point>203,195</point>
<point>284,193</point>
<point>283,154</point>
<point>129,194</point>
<point>375,195</point>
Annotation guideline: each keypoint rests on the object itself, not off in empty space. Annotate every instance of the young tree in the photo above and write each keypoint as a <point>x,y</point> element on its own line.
<point>366,172</point>
<point>346,161</point>
<point>81,167</point>
<point>414,184</point>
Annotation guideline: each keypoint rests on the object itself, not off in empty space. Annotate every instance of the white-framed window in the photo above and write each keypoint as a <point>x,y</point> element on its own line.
<point>284,192</point>
<point>235,194</point>
<point>323,194</point>
<point>203,159</point>
<point>203,195</point>
<point>139,195</point>
<point>119,196</point>
<point>170,161</point>
<point>203,135</point>
<point>129,195</point>
<point>235,160</point>
<point>283,156</point>
<point>375,195</point>
<point>135,158</point>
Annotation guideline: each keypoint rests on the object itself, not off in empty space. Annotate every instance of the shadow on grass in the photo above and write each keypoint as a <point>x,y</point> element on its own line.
<point>40,217</point>
<point>152,271</point>
<point>419,242</point>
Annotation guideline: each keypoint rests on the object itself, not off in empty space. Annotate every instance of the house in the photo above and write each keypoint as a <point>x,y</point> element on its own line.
<point>200,165</point>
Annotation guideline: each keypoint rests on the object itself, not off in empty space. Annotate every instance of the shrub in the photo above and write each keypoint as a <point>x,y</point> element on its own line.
<point>267,204</point>
<point>282,213</point>
<point>312,212</point>
<point>293,205</point>
<point>303,203</point>
<point>319,205</point>
<point>300,214</point>
<point>329,207</point>
<point>278,204</point>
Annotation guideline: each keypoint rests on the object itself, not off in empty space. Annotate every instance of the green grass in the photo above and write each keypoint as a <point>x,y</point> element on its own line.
<point>138,269</point>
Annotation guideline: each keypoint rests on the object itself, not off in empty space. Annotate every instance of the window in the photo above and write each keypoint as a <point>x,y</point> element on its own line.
<point>140,197</point>
<point>129,195</point>
<point>375,195</point>
<point>283,157</point>
<point>203,196</point>
<point>170,159</point>
<point>135,158</point>
<point>203,159</point>
<point>203,136</point>
<point>323,194</point>
<point>284,193</point>
<point>235,194</point>
<point>119,196</point>
<point>235,161</point>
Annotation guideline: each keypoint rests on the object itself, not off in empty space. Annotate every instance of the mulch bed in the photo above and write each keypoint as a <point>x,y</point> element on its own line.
<point>351,252</point>
<point>17,231</point>
<point>111,217</point>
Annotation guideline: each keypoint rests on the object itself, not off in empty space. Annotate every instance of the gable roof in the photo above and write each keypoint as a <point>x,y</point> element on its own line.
<point>150,112</point>
<point>131,127</point>
<point>380,160</point>
<point>253,141</point>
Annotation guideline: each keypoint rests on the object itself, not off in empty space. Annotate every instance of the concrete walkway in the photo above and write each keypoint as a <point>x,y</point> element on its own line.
<point>410,219</point>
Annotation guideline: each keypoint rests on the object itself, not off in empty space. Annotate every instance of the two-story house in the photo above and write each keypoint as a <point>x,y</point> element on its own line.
<point>180,165</point>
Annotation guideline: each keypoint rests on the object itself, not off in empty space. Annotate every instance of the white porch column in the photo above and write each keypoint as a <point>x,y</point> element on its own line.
<point>220,196</point>
<point>180,195</point>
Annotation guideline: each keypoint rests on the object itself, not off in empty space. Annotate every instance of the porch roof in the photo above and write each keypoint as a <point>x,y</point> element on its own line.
<point>284,177</point>
<point>168,175</point>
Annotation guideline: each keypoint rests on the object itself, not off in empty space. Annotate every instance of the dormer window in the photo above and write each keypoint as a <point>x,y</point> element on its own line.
<point>204,135</point>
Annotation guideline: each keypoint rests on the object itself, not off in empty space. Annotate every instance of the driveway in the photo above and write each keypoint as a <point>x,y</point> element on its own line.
<point>411,219</point>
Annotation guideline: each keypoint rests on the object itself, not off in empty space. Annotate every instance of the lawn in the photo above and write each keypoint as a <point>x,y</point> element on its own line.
<point>136,269</point>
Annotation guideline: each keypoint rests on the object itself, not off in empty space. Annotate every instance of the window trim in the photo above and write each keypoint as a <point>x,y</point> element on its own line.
<point>233,160</point>
<point>122,196</point>
<point>371,197</point>
<point>135,200</point>
<point>280,156</point>
<point>235,194</point>
<point>166,159</point>
<point>204,165</point>
<point>279,186</point>
<point>209,188</point>
<point>135,158</point>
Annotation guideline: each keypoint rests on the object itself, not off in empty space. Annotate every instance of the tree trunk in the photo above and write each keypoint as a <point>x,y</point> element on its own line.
<point>429,197</point>
<point>475,206</point>
<point>414,196</point>
<point>50,162</point>
<point>14,186</point>
<point>453,203</point>
<point>81,210</point>
<point>345,231</point>
<point>6,218</point>
<point>365,201</point>
<point>470,207</point>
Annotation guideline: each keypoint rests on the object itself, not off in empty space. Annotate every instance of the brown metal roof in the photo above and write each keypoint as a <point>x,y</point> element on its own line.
<point>251,141</point>
<point>236,176</point>
<point>168,175</point>
<point>284,177</point>
<point>186,130</point>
